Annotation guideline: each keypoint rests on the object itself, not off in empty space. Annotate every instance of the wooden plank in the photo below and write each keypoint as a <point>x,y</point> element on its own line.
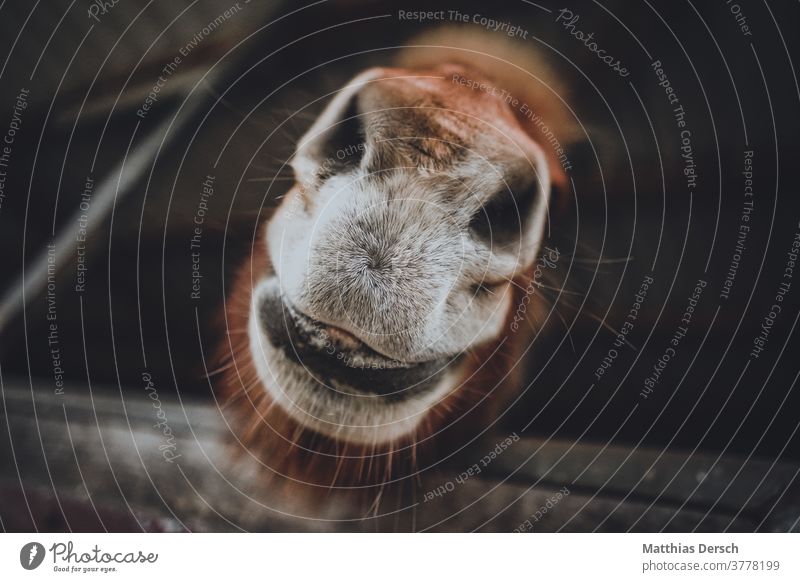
<point>101,455</point>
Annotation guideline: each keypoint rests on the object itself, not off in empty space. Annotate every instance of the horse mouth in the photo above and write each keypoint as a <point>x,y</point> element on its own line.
<point>339,360</point>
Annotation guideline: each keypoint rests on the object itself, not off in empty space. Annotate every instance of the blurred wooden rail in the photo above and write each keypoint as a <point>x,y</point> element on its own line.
<point>92,461</point>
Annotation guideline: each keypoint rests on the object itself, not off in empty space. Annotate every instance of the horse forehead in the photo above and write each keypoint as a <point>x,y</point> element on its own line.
<point>448,142</point>
<point>433,108</point>
<point>440,150</point>
<point>432,91</point>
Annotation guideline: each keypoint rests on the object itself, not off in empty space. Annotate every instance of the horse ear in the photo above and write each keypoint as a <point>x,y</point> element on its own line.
<point>328,146</point>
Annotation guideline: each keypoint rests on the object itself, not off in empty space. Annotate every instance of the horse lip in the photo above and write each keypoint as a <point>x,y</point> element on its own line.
<point>327,336</point>
<point>332,361</point>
